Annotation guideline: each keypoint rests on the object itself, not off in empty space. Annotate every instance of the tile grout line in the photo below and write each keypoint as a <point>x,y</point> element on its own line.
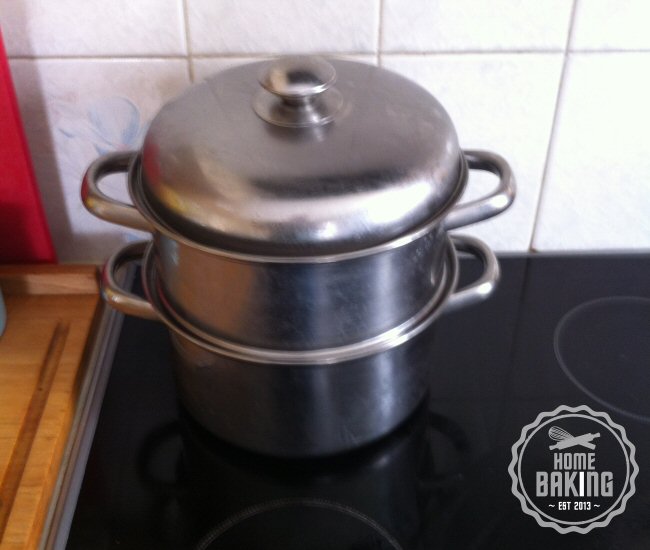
<point>186,32</point>
<point>609,50</point>
<point>226,55</point>
<point>380,34</point>
<point>135,57</point>
<point>551,141</point>
<point>423,53</point>
<point>163,57</point>
<point>515,51</point>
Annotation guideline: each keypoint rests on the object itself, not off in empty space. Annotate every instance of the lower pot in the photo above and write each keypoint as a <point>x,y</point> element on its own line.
<point>305,403</point>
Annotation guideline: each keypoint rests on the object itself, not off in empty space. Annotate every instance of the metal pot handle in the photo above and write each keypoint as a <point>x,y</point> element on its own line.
<point>117,297</point>
<point>480,289</point>
<point>103,206</point>
<point>489,205</point>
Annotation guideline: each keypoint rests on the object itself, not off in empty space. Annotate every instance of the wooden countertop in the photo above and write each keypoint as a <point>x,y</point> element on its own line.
<point>50,317</point>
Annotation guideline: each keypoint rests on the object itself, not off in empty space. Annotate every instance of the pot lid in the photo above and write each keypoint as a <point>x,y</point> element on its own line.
<point>300,156</point>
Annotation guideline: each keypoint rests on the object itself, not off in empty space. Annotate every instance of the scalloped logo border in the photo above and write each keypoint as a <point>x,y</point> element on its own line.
<point>619,432</point>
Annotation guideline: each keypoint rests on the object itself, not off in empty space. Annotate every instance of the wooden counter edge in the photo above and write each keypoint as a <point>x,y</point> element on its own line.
<point>55,280</point>
<point>49,279</point>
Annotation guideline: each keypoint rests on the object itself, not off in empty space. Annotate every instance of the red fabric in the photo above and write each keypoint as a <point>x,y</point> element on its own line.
<point>24,235</point>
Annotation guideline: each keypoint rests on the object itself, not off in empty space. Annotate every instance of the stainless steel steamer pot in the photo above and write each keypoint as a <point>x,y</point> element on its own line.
<point>298,204</point>
<point>304,403</point>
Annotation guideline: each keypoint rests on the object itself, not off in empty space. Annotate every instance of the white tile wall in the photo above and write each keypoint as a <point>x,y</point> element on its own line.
<point>203,67</point>
<point>460,25</point>
<point>282,26</point>
<point>92,27</point>
<point>490,98</point>
<point>91,73</point>
<point>75,110</point>
<point>597,193</point>
<point>611,24</point>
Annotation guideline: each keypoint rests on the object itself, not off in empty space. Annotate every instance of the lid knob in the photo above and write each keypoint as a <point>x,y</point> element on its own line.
<point>298,77</point>
<point>301,92</point>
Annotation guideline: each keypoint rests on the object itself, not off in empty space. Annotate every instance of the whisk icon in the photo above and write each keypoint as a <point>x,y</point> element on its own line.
<point>565,439</point>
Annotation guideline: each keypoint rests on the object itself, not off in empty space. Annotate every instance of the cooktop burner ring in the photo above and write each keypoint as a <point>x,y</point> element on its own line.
<point>273,505</point>
<point>596,338</point>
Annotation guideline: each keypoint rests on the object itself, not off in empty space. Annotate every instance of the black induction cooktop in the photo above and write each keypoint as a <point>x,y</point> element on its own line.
<point>561,330</point>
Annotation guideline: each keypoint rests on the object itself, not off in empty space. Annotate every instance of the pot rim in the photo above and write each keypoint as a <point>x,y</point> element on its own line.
<point>326,356</point>
<point>142,205</point>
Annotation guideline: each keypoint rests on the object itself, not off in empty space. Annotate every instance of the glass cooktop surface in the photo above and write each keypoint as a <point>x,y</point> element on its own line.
<point>560,330</point>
